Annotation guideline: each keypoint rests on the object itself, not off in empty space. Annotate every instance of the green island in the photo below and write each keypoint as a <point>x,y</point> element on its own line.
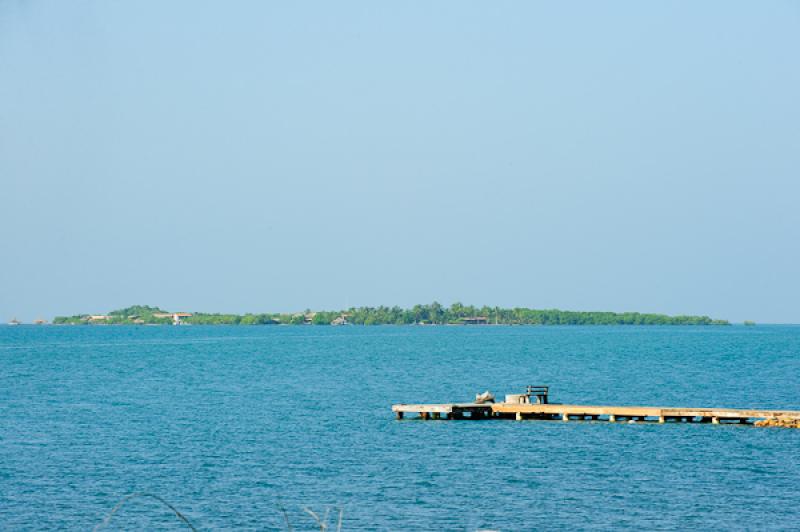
<point>431,314</point>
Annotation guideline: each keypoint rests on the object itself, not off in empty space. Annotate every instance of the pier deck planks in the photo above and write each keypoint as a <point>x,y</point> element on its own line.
<point>612,413</point>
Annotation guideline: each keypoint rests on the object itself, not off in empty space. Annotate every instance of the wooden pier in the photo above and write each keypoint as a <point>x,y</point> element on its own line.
<point>587,412</point>
<point>523,407</point>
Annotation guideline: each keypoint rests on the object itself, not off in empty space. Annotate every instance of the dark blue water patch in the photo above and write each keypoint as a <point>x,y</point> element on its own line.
<point>229,423</point>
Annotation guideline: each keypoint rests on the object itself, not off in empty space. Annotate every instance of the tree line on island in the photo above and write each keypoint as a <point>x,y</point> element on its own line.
<point>431,314</point>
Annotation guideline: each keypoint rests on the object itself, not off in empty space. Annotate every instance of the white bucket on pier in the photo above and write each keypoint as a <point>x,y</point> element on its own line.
<point>518,398</point>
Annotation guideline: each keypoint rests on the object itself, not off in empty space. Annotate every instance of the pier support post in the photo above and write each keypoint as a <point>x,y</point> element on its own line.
<point>518,416</point>
<point>399,415</point>
<point>662,419</point>
<point>612,418</point>
<point>437,415</point>
<point>565,417</point>
<point>423,415</point>
<point>715,420</point>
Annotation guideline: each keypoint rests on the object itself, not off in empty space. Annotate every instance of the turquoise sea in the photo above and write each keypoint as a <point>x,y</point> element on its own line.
<point>229,424</point>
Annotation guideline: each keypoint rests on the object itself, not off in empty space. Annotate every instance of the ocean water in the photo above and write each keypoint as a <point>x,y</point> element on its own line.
<point>231,424</point>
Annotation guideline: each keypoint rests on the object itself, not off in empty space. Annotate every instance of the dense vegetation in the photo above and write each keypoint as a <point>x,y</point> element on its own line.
<point>137,314</point>
<point>434,313</point>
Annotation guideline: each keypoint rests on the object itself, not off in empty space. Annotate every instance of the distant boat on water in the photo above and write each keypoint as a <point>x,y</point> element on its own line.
<point>14,321</point>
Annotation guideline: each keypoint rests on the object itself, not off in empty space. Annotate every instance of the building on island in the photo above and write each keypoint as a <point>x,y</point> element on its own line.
<point>341,320</point>
<point>176,316</point>
<point>475,320</point>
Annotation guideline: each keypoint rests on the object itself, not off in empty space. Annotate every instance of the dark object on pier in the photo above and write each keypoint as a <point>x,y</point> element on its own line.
<point>539,392</point>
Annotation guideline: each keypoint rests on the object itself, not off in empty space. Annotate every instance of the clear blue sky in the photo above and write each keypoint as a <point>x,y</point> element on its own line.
<point>265,156</point>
